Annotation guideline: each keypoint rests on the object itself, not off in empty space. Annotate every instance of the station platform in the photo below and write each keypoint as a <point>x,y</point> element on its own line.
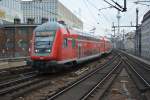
<point>136,57</point>
<point>7,65</point>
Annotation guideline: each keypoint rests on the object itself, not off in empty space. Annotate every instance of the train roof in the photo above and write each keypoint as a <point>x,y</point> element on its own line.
<point>48,26</point>
<point>55,25</point>
<point>85,34</point>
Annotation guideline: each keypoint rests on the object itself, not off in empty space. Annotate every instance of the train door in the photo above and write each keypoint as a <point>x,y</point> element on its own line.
<point>74,51</point>
<point>79,50</point>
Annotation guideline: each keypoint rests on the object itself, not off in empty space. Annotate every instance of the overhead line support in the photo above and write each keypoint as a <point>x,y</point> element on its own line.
<point>118,6</point>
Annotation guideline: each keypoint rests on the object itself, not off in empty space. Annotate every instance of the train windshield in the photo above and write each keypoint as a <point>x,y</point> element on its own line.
<point>44,41</point>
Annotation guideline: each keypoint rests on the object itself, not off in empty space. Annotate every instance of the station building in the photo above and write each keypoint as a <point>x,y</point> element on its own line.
<point>15,36</point>
<point>52,10</point>
<point>38,10</point>
<point>15,40</point>
<point>10,9</point>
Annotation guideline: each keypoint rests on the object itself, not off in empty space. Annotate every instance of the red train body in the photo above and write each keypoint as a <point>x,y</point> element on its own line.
<point>54,44</point>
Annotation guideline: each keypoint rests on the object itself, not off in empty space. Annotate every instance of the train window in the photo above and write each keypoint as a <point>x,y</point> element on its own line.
<point>65,43</point>
<point>73,43</point>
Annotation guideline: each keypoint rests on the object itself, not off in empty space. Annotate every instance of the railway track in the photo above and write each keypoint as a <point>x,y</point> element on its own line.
<point>140,71</point>
<point>20,78</point>
<point>91,86</point>
<point>21,85</point>
<point>11,73</point>
<point>140,74</point>
<point>85,87</point>
<point>27,82</point>
<point>64,78</point>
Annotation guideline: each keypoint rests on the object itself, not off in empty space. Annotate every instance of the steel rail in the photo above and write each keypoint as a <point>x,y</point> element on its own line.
<point>82,79</point>
<point>7,86</point>
<point>23,77</point>
<point>12,59</point>
<point>131,66</point>
<point>139,62</point>
<point>19,86</point>
<point>91,91</point>
<point>129,56</point>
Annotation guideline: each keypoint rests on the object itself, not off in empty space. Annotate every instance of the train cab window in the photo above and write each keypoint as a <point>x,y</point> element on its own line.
<point>65,43</point>
<point>73,43</point>
<point>44,41</point>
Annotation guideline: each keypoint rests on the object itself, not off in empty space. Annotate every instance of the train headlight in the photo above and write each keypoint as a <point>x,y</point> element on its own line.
<point>36,50</point>
<point>48,50</point>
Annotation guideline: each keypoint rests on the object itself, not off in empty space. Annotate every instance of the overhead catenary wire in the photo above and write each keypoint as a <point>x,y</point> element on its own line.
<point>117,5</point>
<point>85,23</point>
<point>143,4</point>
<point>55,13</point>
<point>131,9</point>
<point>93,14</point>
<point>104,16</point>
<point>142,1</point>
<point>89,10</point>
<point>94,7</point>
<point>92,4</point>
<point>112,5</point>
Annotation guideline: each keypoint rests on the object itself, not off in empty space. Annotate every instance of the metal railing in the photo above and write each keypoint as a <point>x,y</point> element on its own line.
<point>14,59</point>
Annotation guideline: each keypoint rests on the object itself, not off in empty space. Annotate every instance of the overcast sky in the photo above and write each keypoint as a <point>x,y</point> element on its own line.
<point>87,11</point>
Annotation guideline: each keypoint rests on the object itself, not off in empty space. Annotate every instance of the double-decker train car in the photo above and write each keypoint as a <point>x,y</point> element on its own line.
<point>54,45</point>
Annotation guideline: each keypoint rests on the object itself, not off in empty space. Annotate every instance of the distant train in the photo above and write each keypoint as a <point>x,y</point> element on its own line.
<point>54,45</point>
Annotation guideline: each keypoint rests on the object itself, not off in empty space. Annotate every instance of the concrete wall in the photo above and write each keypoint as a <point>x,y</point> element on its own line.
<point>15,40</point>
<point>145,36</point>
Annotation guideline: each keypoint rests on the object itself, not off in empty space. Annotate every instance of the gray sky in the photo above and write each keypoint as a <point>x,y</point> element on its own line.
<point>87,10</point>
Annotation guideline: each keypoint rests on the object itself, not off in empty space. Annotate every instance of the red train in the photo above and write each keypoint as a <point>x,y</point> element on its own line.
<point>54,45</point>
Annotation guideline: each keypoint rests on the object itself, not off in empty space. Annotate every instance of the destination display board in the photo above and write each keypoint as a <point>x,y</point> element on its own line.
<point>45,33</point>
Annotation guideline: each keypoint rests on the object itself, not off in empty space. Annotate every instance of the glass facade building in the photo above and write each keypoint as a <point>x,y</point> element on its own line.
<point>10,9</point>
<point>53,10</point>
